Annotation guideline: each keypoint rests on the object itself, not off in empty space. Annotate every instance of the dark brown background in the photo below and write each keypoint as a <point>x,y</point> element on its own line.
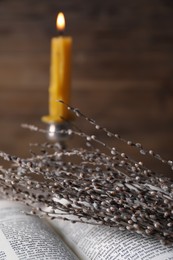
<point>122,67</point>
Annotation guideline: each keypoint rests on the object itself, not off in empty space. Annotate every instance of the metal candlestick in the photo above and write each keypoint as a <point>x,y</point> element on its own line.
<point>57,132</point>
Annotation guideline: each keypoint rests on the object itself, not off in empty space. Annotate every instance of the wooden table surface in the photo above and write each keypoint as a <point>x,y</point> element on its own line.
<point>122,68</point>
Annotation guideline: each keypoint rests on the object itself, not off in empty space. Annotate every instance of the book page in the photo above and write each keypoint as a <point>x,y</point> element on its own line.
<point>28,237</point>
<point>107,243</point>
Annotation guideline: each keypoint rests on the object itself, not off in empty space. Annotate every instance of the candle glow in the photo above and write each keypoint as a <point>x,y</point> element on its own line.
<point>60,22</point>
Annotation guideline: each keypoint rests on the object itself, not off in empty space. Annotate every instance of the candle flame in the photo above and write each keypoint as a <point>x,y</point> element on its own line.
<point>60,22</point>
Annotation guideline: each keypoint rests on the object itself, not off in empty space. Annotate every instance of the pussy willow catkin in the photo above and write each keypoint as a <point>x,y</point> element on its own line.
<point>98,186</point>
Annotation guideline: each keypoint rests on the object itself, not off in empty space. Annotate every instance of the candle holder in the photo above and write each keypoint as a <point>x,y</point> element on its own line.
<point>58,131</point>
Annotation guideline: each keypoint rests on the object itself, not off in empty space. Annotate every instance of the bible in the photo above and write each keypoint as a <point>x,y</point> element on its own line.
<point>23,236</point>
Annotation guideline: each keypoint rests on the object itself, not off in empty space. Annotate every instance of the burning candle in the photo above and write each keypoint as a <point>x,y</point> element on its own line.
<point>60,75</point>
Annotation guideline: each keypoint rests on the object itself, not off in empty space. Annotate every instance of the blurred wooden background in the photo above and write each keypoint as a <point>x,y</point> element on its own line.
<point>122,67</point>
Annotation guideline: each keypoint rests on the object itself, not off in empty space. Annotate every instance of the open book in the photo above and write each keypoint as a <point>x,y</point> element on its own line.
<point>27,237</point>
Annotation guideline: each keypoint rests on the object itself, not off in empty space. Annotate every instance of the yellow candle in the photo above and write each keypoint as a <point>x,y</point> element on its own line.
<point>60,76</point>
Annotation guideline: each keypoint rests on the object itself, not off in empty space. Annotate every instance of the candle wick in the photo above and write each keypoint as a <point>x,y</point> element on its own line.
<point>61,32</point>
